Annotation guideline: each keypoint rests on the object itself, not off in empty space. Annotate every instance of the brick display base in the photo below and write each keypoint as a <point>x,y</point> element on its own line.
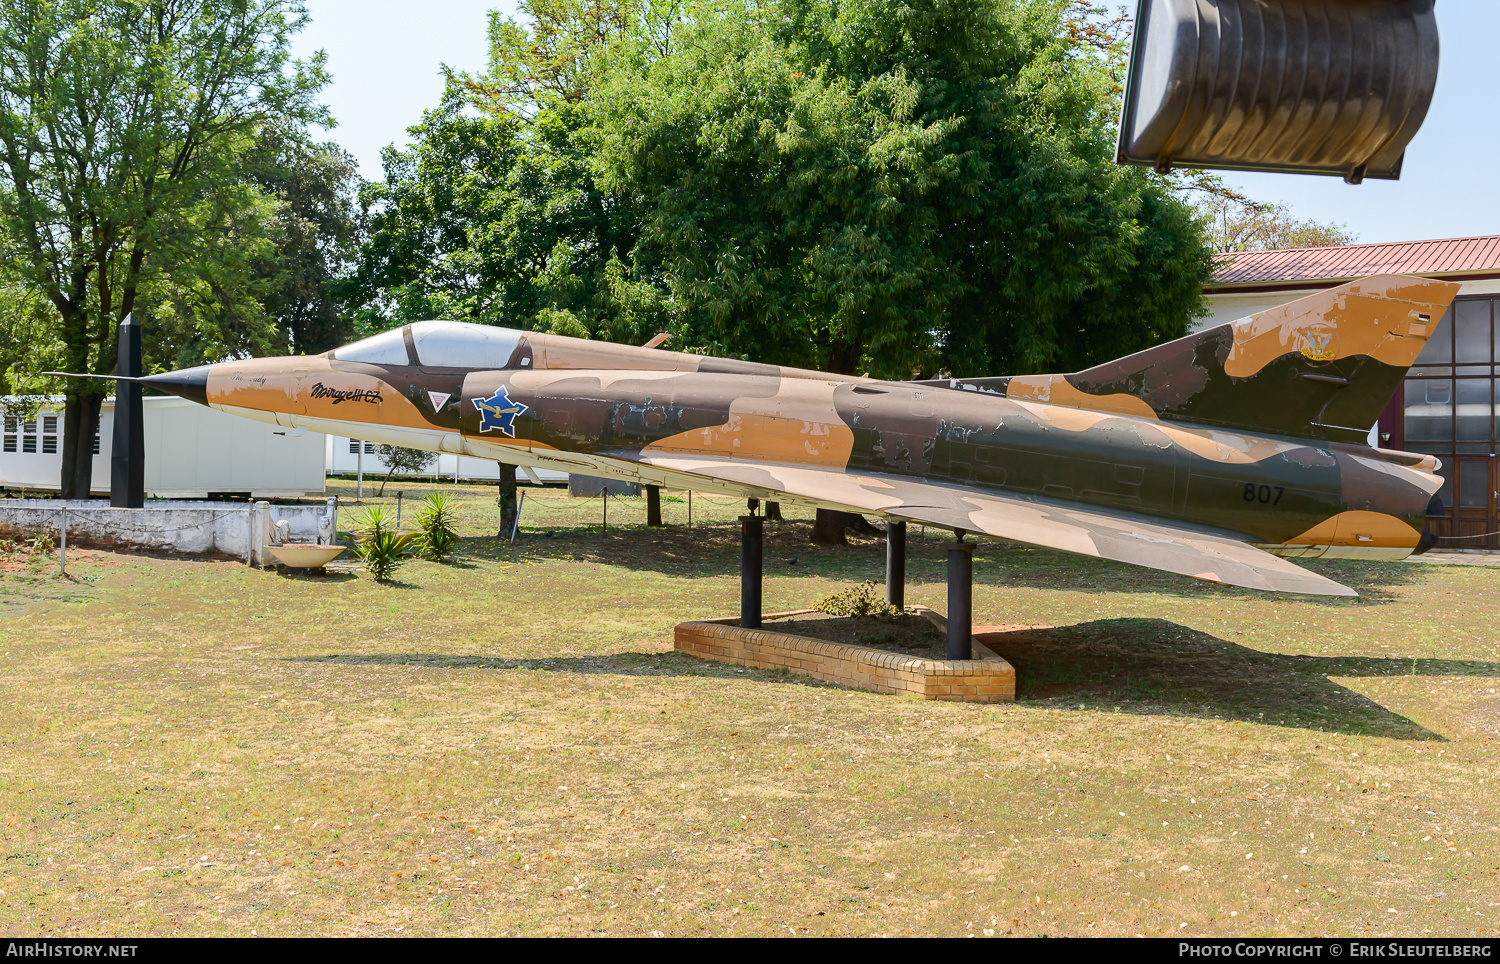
<point>986,680</point>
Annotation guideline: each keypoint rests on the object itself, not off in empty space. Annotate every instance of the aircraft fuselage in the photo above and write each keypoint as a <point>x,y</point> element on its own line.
<point>1294,497</point>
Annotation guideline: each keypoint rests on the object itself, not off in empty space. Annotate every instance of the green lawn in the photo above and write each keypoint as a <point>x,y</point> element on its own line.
<point>506,744</point>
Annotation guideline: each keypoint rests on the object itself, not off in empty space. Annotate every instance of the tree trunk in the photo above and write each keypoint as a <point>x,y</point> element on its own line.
<point>828,528</point>
<point>508,506</point>
<point>80,425</point>
<point>653,505</point>
<point>773,512</point>
<point>862,526</point>
<point>844,356</point>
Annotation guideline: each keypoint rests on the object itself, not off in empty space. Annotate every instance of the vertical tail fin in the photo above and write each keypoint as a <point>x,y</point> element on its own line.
<point>1321,367</point>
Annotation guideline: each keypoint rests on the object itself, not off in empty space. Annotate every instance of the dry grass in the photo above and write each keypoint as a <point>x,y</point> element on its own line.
<point>507,744</point>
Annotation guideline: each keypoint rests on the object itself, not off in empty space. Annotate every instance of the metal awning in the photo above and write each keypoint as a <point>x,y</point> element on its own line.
<point>1297,86</point>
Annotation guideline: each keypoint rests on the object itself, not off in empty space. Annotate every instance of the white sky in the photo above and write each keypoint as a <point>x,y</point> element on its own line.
<point>385,55</point>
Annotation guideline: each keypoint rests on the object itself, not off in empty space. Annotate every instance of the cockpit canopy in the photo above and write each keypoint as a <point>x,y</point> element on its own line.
<point>437,344</point>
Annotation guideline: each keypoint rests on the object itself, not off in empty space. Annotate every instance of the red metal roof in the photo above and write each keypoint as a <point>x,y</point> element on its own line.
<point>1448,256</point>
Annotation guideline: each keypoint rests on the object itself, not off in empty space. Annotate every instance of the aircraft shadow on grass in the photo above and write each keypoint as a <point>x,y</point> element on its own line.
<point>1152,666</point>
<point>1139,666</point>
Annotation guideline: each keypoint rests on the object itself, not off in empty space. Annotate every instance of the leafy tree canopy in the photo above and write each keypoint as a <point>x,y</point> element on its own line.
<point>861,187</point>
<point>123,124</point>
<point>851,186</point>
<point>1234,222</point>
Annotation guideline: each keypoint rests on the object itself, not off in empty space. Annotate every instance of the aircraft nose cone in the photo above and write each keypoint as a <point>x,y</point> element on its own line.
<point>189,383</point>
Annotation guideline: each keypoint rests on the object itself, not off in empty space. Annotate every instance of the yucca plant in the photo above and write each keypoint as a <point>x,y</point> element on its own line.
<point>377,544</point>
<point>435,519</point>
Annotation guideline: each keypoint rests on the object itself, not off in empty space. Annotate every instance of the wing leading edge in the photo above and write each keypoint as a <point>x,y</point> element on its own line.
<point>1095,531</point>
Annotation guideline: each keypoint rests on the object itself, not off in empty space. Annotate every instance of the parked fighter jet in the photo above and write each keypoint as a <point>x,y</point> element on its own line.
<point>1219,455</point>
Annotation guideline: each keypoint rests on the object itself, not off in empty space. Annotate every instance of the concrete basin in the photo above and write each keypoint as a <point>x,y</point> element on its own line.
<point>304,557</point>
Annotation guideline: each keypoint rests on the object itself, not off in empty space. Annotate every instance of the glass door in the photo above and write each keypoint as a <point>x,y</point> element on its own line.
<point>1474,502</point>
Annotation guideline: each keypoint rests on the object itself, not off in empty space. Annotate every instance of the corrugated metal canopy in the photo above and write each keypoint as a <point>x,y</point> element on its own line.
<point>1444,257</point>
<point>1302,86</point>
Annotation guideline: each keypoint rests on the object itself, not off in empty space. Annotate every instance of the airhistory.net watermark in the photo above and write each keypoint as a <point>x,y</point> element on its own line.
<point>67,949</point>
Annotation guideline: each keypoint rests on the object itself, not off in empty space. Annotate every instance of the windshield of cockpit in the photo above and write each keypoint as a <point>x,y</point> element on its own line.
<point>386,348</point>
<point>439,344</point>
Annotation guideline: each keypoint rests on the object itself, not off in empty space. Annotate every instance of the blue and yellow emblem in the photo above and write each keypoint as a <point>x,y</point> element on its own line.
<point>498,411</point>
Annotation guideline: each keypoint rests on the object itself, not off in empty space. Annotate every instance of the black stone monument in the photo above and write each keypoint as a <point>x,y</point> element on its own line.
<point>127,459</point>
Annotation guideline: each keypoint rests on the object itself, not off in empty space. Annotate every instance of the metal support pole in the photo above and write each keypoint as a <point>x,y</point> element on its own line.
<point>508,500</point>
<point>960,599</point>
<point>751,557</point>
<point>514,526</point>
<point>690,508</point>
<point>606,508</point>
<point>653,505</point>
<point>398,510</point>
<point>895,564</point>
<point>62,544</point>
<point>359,468</point>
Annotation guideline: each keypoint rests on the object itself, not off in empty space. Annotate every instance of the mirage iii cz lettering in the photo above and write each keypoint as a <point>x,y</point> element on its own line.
<point>337,395</point>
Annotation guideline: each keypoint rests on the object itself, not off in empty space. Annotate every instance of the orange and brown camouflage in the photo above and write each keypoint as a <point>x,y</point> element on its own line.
<point>1218,455</point>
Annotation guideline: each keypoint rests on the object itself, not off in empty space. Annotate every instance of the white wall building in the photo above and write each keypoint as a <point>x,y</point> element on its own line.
<point>192,452</point>
<point>345,458</point>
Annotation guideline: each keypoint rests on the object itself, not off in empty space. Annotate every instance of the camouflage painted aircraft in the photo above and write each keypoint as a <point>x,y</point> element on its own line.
<point>1219,456</point>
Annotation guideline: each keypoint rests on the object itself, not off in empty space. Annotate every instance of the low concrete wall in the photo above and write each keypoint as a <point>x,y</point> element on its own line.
<point>242,531</point>
<point>991,680</point>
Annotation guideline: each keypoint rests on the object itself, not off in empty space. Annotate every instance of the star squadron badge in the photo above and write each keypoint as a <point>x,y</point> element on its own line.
<point>499,412</point>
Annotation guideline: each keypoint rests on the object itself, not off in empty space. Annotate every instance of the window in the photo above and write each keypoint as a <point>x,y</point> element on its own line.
<point>41,435</point>
<point>457,344</point>
<point>1439,347</point>
<point>354,447</point>
<point>1450,400</point>
<point>1472,332</point>
<point>386,348</point>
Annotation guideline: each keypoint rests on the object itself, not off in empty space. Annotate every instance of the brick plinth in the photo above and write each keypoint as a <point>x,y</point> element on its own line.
<point>991,680</point>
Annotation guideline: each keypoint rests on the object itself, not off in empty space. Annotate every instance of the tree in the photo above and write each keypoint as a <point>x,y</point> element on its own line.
<point>1233,222</point>
<point>122,123</point>
<point>403,460</point>
<point>496,218</point>
<point>929,187</point>
<point>495,213</point>
<point>318,234</point>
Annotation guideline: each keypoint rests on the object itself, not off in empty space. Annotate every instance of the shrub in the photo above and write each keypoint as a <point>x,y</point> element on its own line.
<point>862,600</point>
<point>377,544</point>
<point>435,518</point>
